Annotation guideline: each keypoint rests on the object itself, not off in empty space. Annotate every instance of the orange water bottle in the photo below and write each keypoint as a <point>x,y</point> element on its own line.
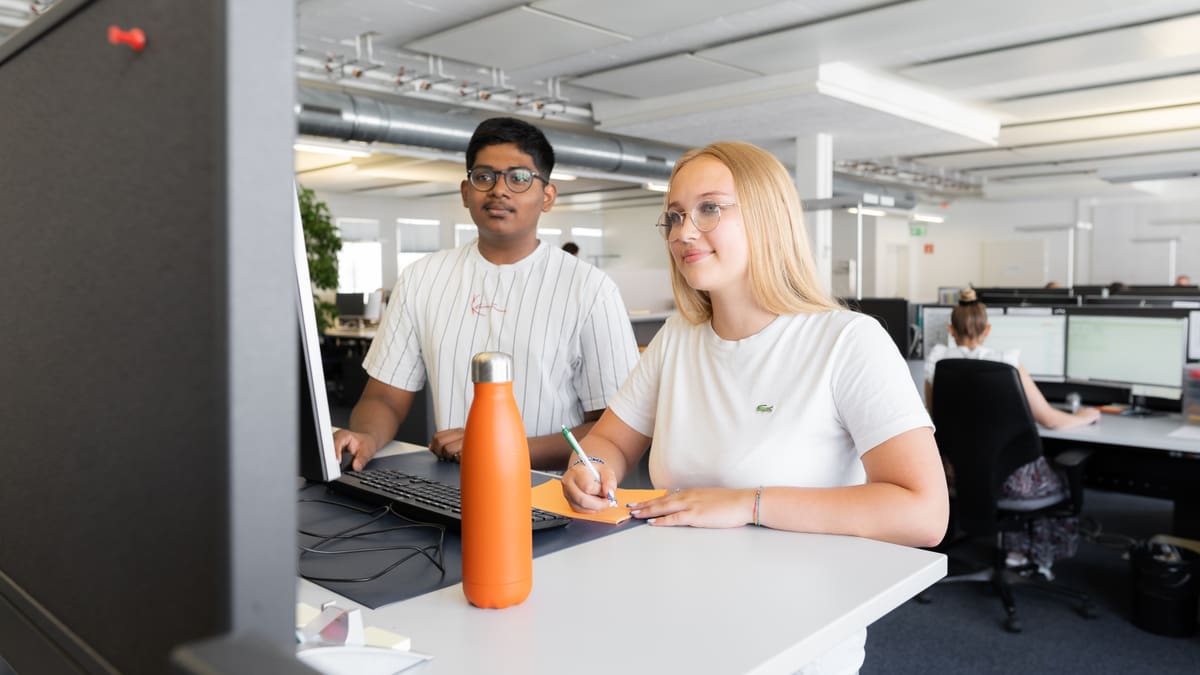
<point>497,539</point>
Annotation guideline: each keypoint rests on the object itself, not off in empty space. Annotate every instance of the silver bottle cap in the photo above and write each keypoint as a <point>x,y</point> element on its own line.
<point>491,367</point>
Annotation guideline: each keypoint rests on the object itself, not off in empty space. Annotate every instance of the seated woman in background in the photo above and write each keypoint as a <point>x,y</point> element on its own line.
<point>1051,539</point>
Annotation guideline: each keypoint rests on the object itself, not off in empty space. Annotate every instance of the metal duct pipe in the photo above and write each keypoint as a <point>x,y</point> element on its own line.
<point>353,117</point>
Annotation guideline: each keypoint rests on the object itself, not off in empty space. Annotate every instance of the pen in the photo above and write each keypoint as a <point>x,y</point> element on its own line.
<point>612,499</point>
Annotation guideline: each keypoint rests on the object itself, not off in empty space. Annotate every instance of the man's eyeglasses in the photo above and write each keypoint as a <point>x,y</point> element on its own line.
<point>705,217</point>
<point>520,179</point>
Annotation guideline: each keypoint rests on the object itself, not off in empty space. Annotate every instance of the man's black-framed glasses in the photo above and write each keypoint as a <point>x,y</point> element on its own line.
<point>705,217</point>
<point>519,179</point>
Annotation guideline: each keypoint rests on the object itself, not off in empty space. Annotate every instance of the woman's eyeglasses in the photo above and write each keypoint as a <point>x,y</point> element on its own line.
<point>484,178</point>
<point>705,217</point>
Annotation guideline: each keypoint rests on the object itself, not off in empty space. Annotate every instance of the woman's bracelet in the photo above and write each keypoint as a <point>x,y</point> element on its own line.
<point>593,460</point>
<point>757,504</point>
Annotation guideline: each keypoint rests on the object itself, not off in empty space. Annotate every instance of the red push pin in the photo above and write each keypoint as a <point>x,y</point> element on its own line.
<point>133,37</point>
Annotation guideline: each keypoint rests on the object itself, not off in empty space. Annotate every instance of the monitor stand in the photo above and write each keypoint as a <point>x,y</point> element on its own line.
<point>1137,408</point>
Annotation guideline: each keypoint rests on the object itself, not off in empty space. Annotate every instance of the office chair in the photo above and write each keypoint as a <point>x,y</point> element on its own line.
<point>986,431</point>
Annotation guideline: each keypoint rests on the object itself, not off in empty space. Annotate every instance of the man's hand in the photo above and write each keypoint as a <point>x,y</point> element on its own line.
<point>361,446</point>
<point>448,444</point>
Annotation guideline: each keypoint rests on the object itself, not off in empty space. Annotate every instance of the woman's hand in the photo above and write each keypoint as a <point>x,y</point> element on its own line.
<point>583,492</point>
<point>699,507</point>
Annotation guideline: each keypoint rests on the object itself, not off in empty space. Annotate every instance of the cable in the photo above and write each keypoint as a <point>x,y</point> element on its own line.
<point>351,533</point>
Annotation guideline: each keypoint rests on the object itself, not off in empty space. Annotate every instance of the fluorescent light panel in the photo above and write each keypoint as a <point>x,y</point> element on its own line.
<point>587,232</point>
<point>418,221</point>
<point>923,218</point>
<point>866,212</point>
<point>329,150</point>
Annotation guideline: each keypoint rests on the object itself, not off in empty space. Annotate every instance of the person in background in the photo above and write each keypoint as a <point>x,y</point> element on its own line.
<point>561,319</point>
<point>1117,287</point>
<point>571,247</point>
<point>1051,539</point>
<point>1183,280</point>
<point>1053,284</point>
<point>767,403</point>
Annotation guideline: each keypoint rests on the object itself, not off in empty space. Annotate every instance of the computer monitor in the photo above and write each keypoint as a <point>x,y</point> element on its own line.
<point>149,465</point>
<point>317,459</point>
<point>1145,350</point>
<point>891,313</point>
<point>935,320</point>
<point>1040,336</point>
<point>351,305</point>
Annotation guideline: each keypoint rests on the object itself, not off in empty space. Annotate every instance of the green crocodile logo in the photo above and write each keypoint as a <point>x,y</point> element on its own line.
<point>764,408</point>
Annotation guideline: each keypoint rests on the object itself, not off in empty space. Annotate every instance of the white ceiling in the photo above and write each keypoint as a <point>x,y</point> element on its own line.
<point>1081,89</point>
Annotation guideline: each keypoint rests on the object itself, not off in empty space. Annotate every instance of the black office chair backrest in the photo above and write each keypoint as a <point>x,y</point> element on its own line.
<point>985,430</point>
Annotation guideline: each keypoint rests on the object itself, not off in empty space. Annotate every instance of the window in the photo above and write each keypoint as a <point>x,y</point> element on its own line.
<point>360,267</point>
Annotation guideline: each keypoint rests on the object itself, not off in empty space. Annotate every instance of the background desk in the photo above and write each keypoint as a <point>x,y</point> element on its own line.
<point>1137,456</point>
<point>667,600</point>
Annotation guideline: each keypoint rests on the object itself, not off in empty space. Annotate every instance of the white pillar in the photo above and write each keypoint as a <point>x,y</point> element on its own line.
<point>814,180</point>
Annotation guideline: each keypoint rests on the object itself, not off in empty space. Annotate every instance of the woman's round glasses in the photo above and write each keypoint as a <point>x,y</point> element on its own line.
<point>520,179</point>
<point>705,217</point>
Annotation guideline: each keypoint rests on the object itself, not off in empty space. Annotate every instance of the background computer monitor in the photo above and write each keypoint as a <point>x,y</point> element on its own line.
<point>149,466</point>
<point>1039,336</point>
<point>351,305</point>
<point>935,319</point>
<point>891,313</point>
<point>1143,349</point>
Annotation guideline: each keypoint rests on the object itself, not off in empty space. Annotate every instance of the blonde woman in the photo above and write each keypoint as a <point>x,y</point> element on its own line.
<point>1049,539</point>
<point>767,403</point>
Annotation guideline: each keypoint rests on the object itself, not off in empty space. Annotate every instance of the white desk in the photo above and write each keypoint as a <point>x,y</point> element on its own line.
<point>1131,432</point>
<point>667,600</point>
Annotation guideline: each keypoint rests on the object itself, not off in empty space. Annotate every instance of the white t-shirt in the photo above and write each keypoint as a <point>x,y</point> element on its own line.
<point>561,319</point>
<point>797,404</point>
<point>1010,356</point>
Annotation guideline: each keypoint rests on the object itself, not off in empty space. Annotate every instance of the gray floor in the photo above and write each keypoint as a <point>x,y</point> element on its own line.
<point>961,630</point>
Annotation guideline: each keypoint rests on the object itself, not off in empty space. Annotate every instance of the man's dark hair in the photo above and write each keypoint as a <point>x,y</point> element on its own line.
<point>571,247</point>
<point>528,138</point>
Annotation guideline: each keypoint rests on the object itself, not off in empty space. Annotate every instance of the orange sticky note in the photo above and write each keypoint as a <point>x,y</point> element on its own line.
<point>549,497</point>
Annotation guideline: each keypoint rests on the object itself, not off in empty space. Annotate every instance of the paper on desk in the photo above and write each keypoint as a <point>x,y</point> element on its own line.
<point>1187,431</point>
<point>549,497</point>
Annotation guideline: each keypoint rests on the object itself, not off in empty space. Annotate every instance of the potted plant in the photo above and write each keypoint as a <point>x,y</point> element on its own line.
<point>322,243</point>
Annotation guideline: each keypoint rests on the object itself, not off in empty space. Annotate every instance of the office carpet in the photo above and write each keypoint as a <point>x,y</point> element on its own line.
<point>961,630</point>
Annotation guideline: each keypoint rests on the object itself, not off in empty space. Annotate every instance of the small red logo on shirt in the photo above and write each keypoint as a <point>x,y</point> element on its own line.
<point>479,308</point>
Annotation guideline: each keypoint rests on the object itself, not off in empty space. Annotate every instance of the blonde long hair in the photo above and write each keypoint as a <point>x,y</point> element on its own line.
<point>782,270</point>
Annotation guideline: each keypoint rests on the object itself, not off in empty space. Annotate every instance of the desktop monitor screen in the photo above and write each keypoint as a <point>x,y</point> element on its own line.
<point>1147,351</point>
<point>1040,338</point>
<point>891,313</point>
<point>316,431</point>
<point>351,305</point>
<point>935,319</point>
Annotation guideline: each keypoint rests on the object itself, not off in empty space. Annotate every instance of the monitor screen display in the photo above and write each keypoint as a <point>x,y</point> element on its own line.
<point>1135,350</point>
<point>935,320</point>
<point>350,304</point>
<point>1040,338</point>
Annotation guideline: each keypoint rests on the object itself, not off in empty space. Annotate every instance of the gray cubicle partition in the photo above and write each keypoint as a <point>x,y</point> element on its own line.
<point>148,398</point>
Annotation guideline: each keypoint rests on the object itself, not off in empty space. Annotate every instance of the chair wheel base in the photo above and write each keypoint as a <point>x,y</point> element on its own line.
<point>1012,624</point>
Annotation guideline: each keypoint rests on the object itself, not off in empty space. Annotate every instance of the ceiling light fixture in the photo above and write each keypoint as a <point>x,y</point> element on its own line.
<point>549,231</point>
<point>923,218</point>
<point>564,176</point>
<point>329,150</point>
<point>866,212</point>
<point>587,232</point>
<point>418,221</point>
<point>656,187</point>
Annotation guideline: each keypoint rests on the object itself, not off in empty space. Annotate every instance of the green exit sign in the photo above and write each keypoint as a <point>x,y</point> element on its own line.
<point>916,230</point>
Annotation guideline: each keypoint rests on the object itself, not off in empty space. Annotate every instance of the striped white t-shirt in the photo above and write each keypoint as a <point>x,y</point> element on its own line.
<point>561,319</point>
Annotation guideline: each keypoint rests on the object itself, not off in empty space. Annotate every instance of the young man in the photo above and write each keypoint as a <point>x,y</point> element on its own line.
<point>561,319</point>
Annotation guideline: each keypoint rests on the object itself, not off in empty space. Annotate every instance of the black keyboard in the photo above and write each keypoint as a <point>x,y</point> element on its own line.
<point>421,499</point>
